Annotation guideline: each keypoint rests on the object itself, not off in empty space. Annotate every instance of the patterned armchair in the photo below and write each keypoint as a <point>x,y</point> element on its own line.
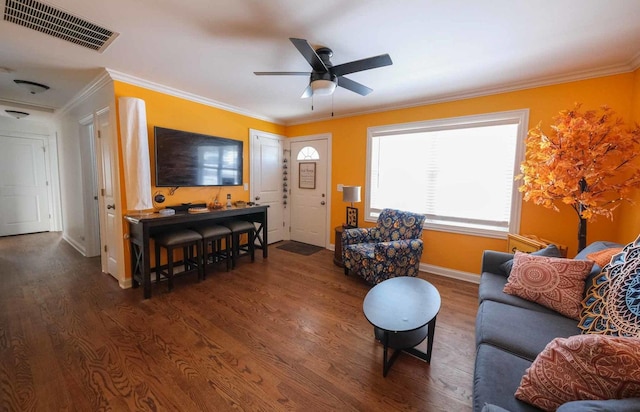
<point>392,248</point>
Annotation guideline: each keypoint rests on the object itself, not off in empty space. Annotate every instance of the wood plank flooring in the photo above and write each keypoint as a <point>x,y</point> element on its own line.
<point>285,333</point>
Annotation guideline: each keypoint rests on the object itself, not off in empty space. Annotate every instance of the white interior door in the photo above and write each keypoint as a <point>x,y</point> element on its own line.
<point>24,195</point>
<point>109,216</point>
<point>90,189</point>
<point>266,180</point>
<point>309,191</point>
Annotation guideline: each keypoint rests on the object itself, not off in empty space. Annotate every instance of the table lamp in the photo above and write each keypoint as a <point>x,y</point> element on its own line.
<point>351,194</point>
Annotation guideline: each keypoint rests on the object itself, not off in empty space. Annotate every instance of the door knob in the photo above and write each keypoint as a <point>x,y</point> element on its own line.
<point>322,203</point>
<point>111,206</point>
<point>257,197</point>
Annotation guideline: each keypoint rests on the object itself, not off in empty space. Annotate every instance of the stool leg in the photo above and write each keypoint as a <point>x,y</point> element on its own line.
<point>235,248</point>
<point>169,268</point>
<point>202,260</point>
<point>158,271</point>
<point>227,240</point>
<point>251,237</point>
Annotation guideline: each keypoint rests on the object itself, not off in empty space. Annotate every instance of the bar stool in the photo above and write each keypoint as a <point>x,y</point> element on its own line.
<point>239,227</point>
<point>185,239</point>
<point>214,235</point>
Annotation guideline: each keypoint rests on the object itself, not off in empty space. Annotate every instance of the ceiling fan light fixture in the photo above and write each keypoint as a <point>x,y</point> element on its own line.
<point>32,87</point>
<point>17,114</point>
<point>322,87</point>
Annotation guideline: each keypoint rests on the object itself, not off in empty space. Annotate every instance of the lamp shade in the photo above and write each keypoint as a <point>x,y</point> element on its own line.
<point>351,194</point>
<point>135,148</point>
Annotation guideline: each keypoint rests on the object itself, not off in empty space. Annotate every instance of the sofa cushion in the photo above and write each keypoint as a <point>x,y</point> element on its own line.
<point>497,375</point>
<point>556,283</point>
<point>617,405</point>
<point>582,367</point>
<point>612,305</point>
<point>549,251</point>
<point>491,288</point>
<point>520,331</point>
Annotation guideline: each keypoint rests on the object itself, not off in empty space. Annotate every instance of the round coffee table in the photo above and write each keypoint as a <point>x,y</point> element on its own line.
<point>403,313</point>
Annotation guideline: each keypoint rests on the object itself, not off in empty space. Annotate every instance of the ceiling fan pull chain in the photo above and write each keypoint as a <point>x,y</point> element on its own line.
<point>331,105</point>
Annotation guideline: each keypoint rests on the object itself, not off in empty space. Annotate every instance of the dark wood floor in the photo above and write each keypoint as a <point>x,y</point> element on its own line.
<point>285,333</point>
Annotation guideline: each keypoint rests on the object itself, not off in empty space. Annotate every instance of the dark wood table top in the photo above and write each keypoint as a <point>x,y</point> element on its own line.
<point>401,304</point>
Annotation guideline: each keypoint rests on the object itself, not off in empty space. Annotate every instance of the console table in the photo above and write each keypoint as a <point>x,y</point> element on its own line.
<point>142,227</point>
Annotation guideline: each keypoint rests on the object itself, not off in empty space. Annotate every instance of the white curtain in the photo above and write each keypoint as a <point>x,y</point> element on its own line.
<point>135,147</point>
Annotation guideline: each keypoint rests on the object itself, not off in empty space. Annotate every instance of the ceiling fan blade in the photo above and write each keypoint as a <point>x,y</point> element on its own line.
<point>360,65</point>
<point>309,54</point>
<point>308,92</point>
<point>282,73</point>
<point>355,87</point>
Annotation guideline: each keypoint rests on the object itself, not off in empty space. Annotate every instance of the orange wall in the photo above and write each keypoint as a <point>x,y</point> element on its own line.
<point>629,227</point>
<point>176,113</point>
<point>620,92</point>
<point>445,249</point>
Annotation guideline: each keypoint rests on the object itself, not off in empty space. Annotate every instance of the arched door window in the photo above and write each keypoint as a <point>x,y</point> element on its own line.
<point>308,153</point>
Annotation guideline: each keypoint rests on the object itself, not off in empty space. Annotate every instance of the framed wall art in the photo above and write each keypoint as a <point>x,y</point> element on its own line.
<point>307,175</point>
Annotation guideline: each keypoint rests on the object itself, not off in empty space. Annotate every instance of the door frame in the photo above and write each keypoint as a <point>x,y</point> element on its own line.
<point>321,136</point>
<point>90,187</point>
<point>253,153</point>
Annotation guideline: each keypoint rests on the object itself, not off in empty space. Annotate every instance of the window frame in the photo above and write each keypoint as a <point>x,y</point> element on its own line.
<point>519,117</point>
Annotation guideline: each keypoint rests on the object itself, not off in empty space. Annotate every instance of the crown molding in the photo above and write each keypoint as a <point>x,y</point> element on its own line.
<point>28,106</point>
<point>488,91</point>
<point>98,82</point>
<point>136,81</point>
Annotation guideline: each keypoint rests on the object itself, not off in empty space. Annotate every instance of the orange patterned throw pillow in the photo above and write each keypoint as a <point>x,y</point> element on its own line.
<point>556,283</point>
<point>582,367</point>
<point>602,257</point>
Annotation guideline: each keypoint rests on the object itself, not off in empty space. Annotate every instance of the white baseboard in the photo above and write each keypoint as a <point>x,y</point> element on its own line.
<point>126,284</point>
<point>450,273</point>
<point>77,246</point>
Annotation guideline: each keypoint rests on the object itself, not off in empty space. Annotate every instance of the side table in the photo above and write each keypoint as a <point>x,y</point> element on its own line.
<point>337,256</point>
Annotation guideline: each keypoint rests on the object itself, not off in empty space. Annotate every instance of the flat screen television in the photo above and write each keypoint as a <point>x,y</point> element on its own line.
<point>190,159</point>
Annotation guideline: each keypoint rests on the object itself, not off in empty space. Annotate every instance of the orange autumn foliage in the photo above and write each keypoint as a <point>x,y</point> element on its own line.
<point>587,162</point>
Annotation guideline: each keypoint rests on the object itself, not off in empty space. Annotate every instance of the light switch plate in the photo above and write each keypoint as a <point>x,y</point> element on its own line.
<point>340,186</point>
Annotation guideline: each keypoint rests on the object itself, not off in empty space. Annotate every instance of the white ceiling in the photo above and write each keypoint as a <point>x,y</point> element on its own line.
<point>441,49</point>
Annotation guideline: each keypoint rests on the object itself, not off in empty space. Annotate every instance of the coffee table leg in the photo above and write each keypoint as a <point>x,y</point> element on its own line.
<point>386,365</point>
<point>420,354</point>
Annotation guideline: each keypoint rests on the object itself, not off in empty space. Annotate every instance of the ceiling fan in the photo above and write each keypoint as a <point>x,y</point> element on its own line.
<point>325,76</point>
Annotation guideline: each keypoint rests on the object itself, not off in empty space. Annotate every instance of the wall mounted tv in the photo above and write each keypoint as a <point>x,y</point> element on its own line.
<point>191,159</point>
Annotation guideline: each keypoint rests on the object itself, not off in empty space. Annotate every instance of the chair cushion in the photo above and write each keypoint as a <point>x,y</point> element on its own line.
<point>363,250</point>
<point>240,226</point>
<point>177,237</point>
<point>213,231</point>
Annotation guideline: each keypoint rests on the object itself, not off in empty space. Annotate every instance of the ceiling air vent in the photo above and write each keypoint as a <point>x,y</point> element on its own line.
<point>58,23</point>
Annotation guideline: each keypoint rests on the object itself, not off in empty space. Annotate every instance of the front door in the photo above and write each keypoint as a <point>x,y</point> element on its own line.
<point>309,190</point>
<point>267,180</point>
<point>24,192</point>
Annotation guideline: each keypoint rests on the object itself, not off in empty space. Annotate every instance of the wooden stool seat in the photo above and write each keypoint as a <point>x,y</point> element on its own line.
<point>239,227</point>
<point>214,235</point>
<point>185,239</point>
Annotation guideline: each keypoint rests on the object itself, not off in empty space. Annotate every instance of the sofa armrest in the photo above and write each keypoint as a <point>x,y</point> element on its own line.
<point>618,405</point>
<point>491,261</point>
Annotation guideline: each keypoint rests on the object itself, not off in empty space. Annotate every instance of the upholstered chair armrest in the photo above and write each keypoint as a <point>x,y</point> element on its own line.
<point>359,235</point>
<point>491,261</point>
<point>399,249</point>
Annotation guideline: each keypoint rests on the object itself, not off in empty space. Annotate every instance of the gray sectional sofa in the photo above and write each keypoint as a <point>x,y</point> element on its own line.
<point>511,332</point>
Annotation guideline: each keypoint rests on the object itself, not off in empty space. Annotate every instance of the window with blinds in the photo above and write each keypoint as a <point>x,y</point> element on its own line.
<point>458,171</point>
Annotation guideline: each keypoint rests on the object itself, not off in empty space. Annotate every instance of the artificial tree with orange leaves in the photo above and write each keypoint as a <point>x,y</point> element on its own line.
<point>588,161</point>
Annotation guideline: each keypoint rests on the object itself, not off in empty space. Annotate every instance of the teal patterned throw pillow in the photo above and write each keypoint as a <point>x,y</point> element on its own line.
<point>612,305</point>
